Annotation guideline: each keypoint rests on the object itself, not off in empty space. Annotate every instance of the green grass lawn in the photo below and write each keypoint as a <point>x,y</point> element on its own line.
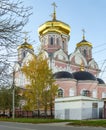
<point>32,120</point>
<point>95,123</point>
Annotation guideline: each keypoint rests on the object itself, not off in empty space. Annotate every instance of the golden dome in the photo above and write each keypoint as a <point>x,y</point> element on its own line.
<point>54,25</point>
<point>84,42</point>
<point>26,45</point>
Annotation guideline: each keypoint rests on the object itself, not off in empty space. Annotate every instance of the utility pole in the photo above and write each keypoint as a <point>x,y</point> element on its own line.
<point>13,96</point>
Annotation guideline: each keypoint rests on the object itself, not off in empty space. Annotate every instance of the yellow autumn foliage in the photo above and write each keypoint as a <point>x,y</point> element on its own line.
<point>41,90</point>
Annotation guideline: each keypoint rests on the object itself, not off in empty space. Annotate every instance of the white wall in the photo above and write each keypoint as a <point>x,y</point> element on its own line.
<point>76,108</point>
<point>73,107</point>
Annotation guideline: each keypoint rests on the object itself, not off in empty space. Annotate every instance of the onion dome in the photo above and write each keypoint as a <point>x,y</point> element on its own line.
<point>84,42</point>
<point>100,81</point>
<point>62,74</point>
<point>83,75</point>
<point>54,26</point>
<point>26,45</point>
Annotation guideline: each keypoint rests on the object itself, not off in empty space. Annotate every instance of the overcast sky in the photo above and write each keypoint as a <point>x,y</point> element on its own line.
<point>78,14</point>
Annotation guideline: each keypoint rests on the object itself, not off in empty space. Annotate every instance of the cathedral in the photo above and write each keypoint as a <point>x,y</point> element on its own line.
<point>77,73</point>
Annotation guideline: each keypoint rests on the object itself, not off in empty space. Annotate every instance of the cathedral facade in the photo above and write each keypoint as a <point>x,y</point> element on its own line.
<point>76,73</point>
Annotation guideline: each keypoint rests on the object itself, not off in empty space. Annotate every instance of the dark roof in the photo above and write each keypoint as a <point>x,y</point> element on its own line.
<point>100,81</point>
<point>62,74</point>
<point>83,41</point>
<point>83,75</point>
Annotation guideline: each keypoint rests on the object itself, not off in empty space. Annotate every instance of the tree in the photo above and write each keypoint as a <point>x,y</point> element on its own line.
<point>38,92</point>
<point>6,98</point>
<point>48,95</point>
<point>13,17</point>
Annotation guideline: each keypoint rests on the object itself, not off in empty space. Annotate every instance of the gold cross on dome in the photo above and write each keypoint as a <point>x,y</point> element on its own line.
<point>54,13</point>
<point>54,4</point>
<point>83,31</point>
<point>26,34</point>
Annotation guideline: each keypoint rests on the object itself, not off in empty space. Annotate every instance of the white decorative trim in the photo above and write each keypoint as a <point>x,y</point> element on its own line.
<point>77,52</point>
<point>61,53</point>
<point>93,64</point>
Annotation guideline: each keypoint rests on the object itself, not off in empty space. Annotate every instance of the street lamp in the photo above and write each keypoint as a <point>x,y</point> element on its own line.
<point>13,96</point>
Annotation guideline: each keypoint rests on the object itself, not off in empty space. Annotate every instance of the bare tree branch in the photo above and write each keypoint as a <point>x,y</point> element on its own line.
<point>13,17</point>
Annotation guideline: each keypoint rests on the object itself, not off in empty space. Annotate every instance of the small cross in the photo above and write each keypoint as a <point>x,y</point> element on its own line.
<point>54,4</point>
<point>25,33</point>
<point>54,13</point>
<point>83,31</point>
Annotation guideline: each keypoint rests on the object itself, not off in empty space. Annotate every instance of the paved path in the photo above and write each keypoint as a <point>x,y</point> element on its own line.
<point>50,126</point>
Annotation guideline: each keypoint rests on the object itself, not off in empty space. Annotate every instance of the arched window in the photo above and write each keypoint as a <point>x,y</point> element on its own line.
<point>57,41</point>
<point>84,92</point>
<point>71,92</point>
<point>60,92</point>
<point>85,52</point>
<point>103,94</point>
<point>51,40</point>
<point>94,93</point>
<point>24,54</point>
<point>63,45</point>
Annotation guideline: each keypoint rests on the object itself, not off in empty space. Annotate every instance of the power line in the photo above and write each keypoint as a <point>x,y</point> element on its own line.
<point>99,51</point>
<point>100,45</point>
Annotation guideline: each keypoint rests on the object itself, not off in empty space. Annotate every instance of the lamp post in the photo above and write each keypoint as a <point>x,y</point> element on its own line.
<point>13,96</point>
